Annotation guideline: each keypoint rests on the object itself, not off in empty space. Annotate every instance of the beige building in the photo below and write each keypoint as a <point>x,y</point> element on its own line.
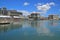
<point>0,10</point>
<point>5,19</point>
<point>15,16</point>
<point>35,16</point>
<point>43,18</point>
<point>4,11</point>
<point>53,17</point>
<point>14,13</point>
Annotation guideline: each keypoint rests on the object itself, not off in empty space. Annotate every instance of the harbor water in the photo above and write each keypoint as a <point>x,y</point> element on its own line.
<point>31,30</point>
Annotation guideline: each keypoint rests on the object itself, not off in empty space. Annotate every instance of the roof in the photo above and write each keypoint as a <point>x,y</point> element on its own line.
<point>3,16</point>
<point>18,16</point>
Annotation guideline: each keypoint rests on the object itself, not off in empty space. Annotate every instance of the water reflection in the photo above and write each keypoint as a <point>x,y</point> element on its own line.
<point>41,28</point>
<point>54,23</point>
<point>8,27</point>
<point>30,29</point>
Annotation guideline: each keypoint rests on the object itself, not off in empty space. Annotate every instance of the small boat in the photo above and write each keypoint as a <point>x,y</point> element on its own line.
<point>4,23</point>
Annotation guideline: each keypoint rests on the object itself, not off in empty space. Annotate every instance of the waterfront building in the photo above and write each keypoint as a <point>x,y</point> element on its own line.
<point>4,11</point>
<point>10,15</point>
<point>18,18</point>
<point>26,17</point>
<point>43,18</point>
<point>53,17</point>
<point>5,19</point>
<point>0,10</point>
<point>14,13</point>
<point>35,16</point>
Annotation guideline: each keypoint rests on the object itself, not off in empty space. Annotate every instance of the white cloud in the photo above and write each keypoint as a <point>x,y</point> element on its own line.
<point>52,3</point>
<point>45,7</point>
<point>25,13</point>
<point>26,3</point>
<point>36,12</point>
<point>38,4</point>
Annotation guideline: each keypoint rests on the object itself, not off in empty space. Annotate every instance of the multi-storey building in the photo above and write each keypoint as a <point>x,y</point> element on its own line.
<point>35,16</point>
<point>4,11</point>
<point>14,13</point>
<point>53,17</point>
<point>0,10</point>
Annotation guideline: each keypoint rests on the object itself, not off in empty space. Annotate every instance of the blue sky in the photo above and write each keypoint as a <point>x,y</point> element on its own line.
<point>46,7</point>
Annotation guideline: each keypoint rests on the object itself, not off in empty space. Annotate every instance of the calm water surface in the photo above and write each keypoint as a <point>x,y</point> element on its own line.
<point>31,30</point>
